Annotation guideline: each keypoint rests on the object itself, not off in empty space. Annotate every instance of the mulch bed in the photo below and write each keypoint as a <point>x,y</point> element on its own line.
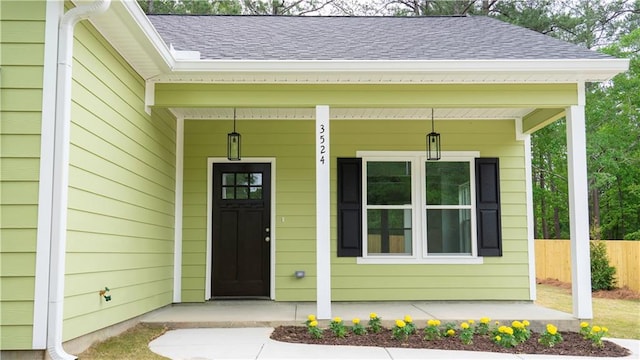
<point>573,344</point>
<point>623,293</point>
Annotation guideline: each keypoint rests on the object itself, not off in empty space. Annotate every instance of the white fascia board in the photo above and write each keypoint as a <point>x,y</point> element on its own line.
<point>578,69</point>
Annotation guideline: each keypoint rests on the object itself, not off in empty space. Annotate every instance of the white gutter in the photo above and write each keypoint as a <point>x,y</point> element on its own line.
<point>61,174</point>
<point>55,10</point>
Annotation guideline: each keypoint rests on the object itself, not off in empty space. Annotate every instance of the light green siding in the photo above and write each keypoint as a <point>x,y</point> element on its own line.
<point>292,144</point>
<point>21,58</point>
<point>121,193</point>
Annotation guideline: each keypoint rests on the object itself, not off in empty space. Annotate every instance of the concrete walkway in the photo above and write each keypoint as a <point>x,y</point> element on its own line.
<point>254,343</point>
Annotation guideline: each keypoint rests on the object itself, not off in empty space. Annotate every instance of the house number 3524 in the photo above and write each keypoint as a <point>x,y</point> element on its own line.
<point>322,147</point>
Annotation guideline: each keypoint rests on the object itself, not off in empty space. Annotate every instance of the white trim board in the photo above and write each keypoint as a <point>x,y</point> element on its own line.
<point>179,185</point>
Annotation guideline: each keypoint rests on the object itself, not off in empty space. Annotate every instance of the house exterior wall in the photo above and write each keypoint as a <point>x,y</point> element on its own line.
<point>291,143</point>
<point>121,193</point>
<point>22,25</point>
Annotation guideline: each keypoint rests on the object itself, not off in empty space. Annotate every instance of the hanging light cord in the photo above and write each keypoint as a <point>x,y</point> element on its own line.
<point>433,129</point>
<point>234,120</point>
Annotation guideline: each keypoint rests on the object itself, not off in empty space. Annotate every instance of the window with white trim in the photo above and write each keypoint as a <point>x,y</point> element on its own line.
<point>417,210</point>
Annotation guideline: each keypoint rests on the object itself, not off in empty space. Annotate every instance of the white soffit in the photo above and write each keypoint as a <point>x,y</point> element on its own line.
<point>352,113</point>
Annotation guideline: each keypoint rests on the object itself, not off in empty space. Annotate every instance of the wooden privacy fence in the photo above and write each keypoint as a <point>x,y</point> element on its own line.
<point>553,261</point>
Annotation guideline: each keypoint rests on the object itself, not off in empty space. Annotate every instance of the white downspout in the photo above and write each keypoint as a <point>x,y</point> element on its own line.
<point>61,174</point>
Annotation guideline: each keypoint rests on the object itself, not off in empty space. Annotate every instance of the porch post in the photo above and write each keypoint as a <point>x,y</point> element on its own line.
<point>579,209</point>
<point>323,248</point>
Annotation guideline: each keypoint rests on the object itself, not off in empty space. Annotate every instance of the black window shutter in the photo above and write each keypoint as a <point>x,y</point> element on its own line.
<point>349,207</point>
<point>488,207</point>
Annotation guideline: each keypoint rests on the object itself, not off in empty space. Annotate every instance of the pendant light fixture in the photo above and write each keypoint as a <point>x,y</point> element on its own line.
<point>233,142</point>
<point>433,142</point>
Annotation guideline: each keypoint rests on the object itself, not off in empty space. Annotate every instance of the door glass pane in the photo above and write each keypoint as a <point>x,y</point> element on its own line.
<point>389,231</point>
<point>242,193</point>
<point>388,183</point>
<point>448,183</point>
<point>228,178</point>
<point>256,178</point>
<point>255,192</point>
<point>242,179</point>
<point>228,193</point>
<point>449,231</point>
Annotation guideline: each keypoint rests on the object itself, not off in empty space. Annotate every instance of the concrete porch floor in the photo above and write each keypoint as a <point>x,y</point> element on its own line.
<point>267,313</point>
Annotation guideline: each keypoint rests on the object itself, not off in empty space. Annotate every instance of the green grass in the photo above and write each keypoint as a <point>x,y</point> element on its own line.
<point>133,344</point>
<point>622,317</point>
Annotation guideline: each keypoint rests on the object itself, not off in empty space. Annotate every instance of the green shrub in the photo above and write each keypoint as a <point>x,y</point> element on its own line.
<point>602,274</point>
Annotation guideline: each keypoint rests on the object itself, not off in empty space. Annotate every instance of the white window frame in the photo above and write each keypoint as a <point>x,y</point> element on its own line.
<point>418,207</point>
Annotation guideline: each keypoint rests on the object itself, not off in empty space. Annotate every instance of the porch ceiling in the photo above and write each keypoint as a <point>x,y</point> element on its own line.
<point>352,113</point>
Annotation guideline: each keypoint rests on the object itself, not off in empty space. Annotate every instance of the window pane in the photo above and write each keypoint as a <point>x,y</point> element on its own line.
<point>388,183</point>
<point>449,231</point>
<point>228,179</point>
<point>242,193</point>
<point>448,183</point>
<point>255,192</point>
<point>389,231</point>
<point>228,192</point>
<point>242,179</point>
<point>256,179</point>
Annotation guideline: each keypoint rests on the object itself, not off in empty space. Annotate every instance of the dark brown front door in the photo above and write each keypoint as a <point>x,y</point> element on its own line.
<point>241,233</point>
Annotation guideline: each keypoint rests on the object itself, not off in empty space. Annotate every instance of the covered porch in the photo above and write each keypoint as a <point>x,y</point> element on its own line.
<point>266,313</point>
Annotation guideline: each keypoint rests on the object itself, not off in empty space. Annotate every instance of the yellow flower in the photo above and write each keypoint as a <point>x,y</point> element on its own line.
<point>471,321</point>
<point>311,317</point>
<point>408,319</point>
<point>464,325</point>
<point>584,324</point>
<point>552,329</point>
<point>313,323</point>
<point>451,332</point>
<point>498,338</point>
<point>484,320</point>
<point>373,316</point>
<point>355,321</point>
<point>509,331</point>
<point>337,319</point>
<point>596,329</point>
<point>497,323</point>
<point>604,329</point>
<point>433,322</point>
<point>502,329</point>
<point>400,323</point>
<point>525,323</point>
<point>517,324</point>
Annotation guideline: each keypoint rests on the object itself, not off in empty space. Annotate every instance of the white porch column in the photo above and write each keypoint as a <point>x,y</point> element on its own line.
<point>323,225</point>
<point>579,209</point>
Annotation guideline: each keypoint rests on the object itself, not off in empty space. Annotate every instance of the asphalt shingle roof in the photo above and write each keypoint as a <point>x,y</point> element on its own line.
<point>360,38</point>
